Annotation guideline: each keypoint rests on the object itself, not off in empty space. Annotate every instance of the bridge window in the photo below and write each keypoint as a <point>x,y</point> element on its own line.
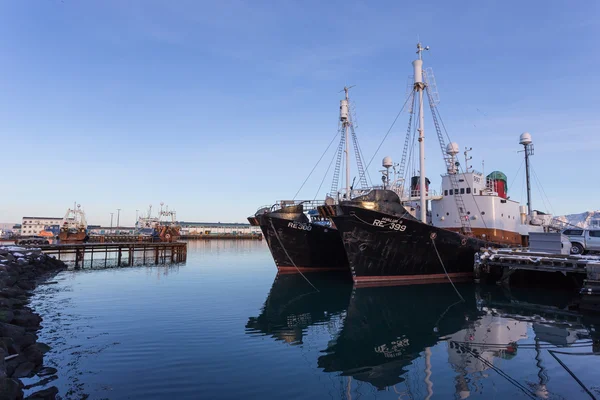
<point>468,190</point>
<point>446,192</point>
<point>451,192</point>
<point>462,190</point>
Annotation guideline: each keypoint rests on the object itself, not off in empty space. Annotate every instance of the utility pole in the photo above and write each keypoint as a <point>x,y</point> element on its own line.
<point>525,140</point>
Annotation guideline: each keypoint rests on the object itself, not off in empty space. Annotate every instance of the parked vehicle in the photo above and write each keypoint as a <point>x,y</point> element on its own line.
<point>583,240</point>
<point>32,240</point>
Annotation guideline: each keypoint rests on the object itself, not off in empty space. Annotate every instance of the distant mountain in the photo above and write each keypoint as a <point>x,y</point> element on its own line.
<point>588,219</point>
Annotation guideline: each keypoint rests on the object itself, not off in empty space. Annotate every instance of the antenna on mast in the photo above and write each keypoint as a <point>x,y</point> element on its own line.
<point>467,159</point>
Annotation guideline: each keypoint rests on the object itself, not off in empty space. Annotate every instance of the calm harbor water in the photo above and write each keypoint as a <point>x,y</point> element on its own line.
<point>225,326</point>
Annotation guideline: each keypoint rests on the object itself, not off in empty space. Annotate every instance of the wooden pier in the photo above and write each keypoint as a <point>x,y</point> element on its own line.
<point>118,254</point>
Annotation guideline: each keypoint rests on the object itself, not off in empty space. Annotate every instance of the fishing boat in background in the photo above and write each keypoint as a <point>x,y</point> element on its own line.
<point>300,240</point>
<point>394,240</point>
<point>163,227</point>
<point>74,226</point>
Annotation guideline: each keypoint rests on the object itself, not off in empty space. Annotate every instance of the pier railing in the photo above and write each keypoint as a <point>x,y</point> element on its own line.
<point>117,254</point>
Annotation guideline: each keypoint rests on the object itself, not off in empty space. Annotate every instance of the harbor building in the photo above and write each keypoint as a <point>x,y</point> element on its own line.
<point>106,230</point>
<point>32,226</point>
<point>217,228</point>
<point>187,229</point>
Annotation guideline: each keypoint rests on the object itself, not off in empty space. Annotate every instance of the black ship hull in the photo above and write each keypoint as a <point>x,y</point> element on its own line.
<point>388,249</point>
<point>302,246</point>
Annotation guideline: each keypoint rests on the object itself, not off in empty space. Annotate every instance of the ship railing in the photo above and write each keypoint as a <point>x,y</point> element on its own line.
<point>308,205</point>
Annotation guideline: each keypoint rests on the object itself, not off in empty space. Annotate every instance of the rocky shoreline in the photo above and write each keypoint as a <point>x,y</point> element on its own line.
<point>21,356</point>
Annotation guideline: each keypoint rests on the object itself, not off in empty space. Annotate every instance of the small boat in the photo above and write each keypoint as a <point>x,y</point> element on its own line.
<point>74,226</point>
<point>162,228</point>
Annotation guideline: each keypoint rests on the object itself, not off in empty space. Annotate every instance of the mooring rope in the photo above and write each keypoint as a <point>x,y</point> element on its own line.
<point>444,267</point>
<point>562,364</point>
<point>288,256</point>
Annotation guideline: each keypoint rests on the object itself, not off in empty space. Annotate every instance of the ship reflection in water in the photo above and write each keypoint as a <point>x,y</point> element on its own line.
<point>420,341</point>
<point>293,305</point>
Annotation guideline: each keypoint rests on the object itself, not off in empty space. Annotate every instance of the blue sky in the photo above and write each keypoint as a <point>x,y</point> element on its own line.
<point>217,108</point>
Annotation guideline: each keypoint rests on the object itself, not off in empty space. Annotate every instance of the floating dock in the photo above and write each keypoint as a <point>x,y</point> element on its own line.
<point>498,265</point>
<point>118,254</point>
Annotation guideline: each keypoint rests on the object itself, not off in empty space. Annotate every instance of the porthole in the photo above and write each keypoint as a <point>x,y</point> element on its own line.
<point>468,212</point>
<point>447,213</point>
<point>483,213</point>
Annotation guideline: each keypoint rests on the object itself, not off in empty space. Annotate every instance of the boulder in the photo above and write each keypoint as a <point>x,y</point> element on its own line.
<point>26,284</point>
<point>26,318</point>
<point>10,389</point>
<point>12,331</point>
<point>46,371</point>
<point>42,347</point>
<point>46,394</point>
<point>9,292</point>
<point>23,370</point>
<point>6,315</point>
<point>13,363</point>
<point>33,354</point>
<point>9,346</point>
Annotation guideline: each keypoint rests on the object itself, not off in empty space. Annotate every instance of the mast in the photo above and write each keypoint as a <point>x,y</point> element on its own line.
<point>344,118</point>
<point>527,143</point>
<point>419,87</point>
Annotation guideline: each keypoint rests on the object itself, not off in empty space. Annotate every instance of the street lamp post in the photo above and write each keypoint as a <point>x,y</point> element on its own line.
<point>111,219</point>
<point>118,216</point>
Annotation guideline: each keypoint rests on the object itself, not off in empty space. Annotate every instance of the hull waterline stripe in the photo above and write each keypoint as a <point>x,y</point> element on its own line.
<point>288,269</point>
<point>392,280</point>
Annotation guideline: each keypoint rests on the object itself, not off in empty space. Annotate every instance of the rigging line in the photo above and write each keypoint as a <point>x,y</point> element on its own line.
<point>572,374</point>
<point>474,199</point>
<point>444,267</point>
<point>325,176</point>
<point>389,130</point>
<point>543,190</point>
<point>313,170</point>
<point>500,372</point>
<point>445,312</point>
<point>288,256</point>
<point>547,209</point>
<point>516,175</point>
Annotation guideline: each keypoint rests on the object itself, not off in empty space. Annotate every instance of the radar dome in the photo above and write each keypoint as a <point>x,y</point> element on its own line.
<point>525,138</point>
<point>387,162</point>
<point>452,149</point>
